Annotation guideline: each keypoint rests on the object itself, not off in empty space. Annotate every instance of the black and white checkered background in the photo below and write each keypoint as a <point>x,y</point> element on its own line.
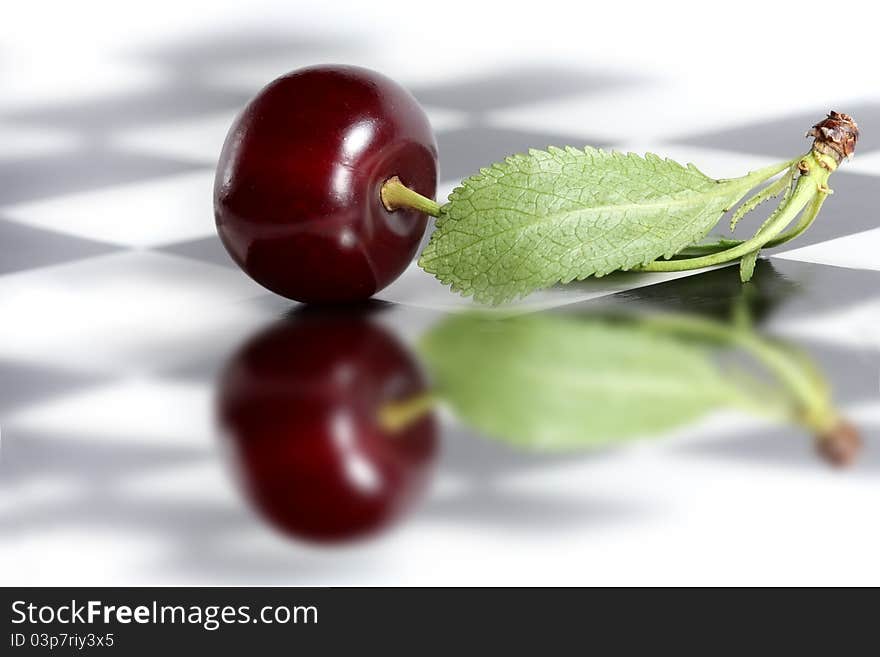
<point>118,305</point>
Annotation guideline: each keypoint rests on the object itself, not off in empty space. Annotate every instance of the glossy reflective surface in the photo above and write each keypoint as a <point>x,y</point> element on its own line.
<point>110,472</point>
<point>296,195</point>
<point>298,404</point>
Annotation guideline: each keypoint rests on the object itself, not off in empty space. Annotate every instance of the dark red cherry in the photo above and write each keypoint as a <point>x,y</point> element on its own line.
<point>297,192</point>
<point>299,404</point>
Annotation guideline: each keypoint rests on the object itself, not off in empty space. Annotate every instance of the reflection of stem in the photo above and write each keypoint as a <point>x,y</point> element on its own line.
<point>398,415</point>
<point>809,391</point>
<point>816,412</point>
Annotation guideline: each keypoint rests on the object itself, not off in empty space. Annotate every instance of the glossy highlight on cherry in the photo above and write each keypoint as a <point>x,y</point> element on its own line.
<point>297,195</point>
<point>300,408</point>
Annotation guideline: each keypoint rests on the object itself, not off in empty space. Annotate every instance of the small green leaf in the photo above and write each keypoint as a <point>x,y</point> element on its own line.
<point>772,190</point>
<point>552,382</point>
<point>747,262</point>
<point>747,266</point>
<point>555,216</point>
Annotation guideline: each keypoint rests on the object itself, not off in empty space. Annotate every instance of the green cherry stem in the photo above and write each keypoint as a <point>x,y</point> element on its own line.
<point>395,195</point>
<point>803,223</point>
<point>770,191</point>
<point>812,181</point>
<point>763,174</point>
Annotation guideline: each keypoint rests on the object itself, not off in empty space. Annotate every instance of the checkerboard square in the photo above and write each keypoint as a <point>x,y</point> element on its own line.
<point>39,178</point>
<point>783,137</point>
<point>21,142</point>
<point>177,414</point>
<point>125,313</point>
<point>207,249</point>
<point>174,99</point>
<point>143,214</point>
<point>643,113</point>
<point>23,383</point>
<point>485,92</point>
<point>24,247</point>
<point>859,251</point>
<point>465,151</point>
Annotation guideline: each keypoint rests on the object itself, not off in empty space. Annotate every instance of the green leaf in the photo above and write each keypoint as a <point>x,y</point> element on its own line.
<point>552,382</point>
<point>747,262</point>
<point>772,190</point>
<point>747,266</point>
<point>555,216</point>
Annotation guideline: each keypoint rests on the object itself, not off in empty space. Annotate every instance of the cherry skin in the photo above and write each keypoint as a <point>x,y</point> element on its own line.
<point>299,406</point>
<point>297,190</point>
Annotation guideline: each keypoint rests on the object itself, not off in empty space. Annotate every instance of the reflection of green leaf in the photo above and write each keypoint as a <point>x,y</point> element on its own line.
<point>550,382</point>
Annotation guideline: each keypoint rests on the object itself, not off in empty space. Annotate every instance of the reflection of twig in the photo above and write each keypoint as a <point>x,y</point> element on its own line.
<point>810,401</point>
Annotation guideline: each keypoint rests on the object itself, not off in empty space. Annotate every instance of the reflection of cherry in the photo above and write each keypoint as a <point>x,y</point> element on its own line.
<point>299,403</point>
<point>297,197</point>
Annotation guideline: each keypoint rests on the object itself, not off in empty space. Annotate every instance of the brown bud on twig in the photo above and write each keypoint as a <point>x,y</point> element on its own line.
<point>836,136</point>
<point>840,445</point>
